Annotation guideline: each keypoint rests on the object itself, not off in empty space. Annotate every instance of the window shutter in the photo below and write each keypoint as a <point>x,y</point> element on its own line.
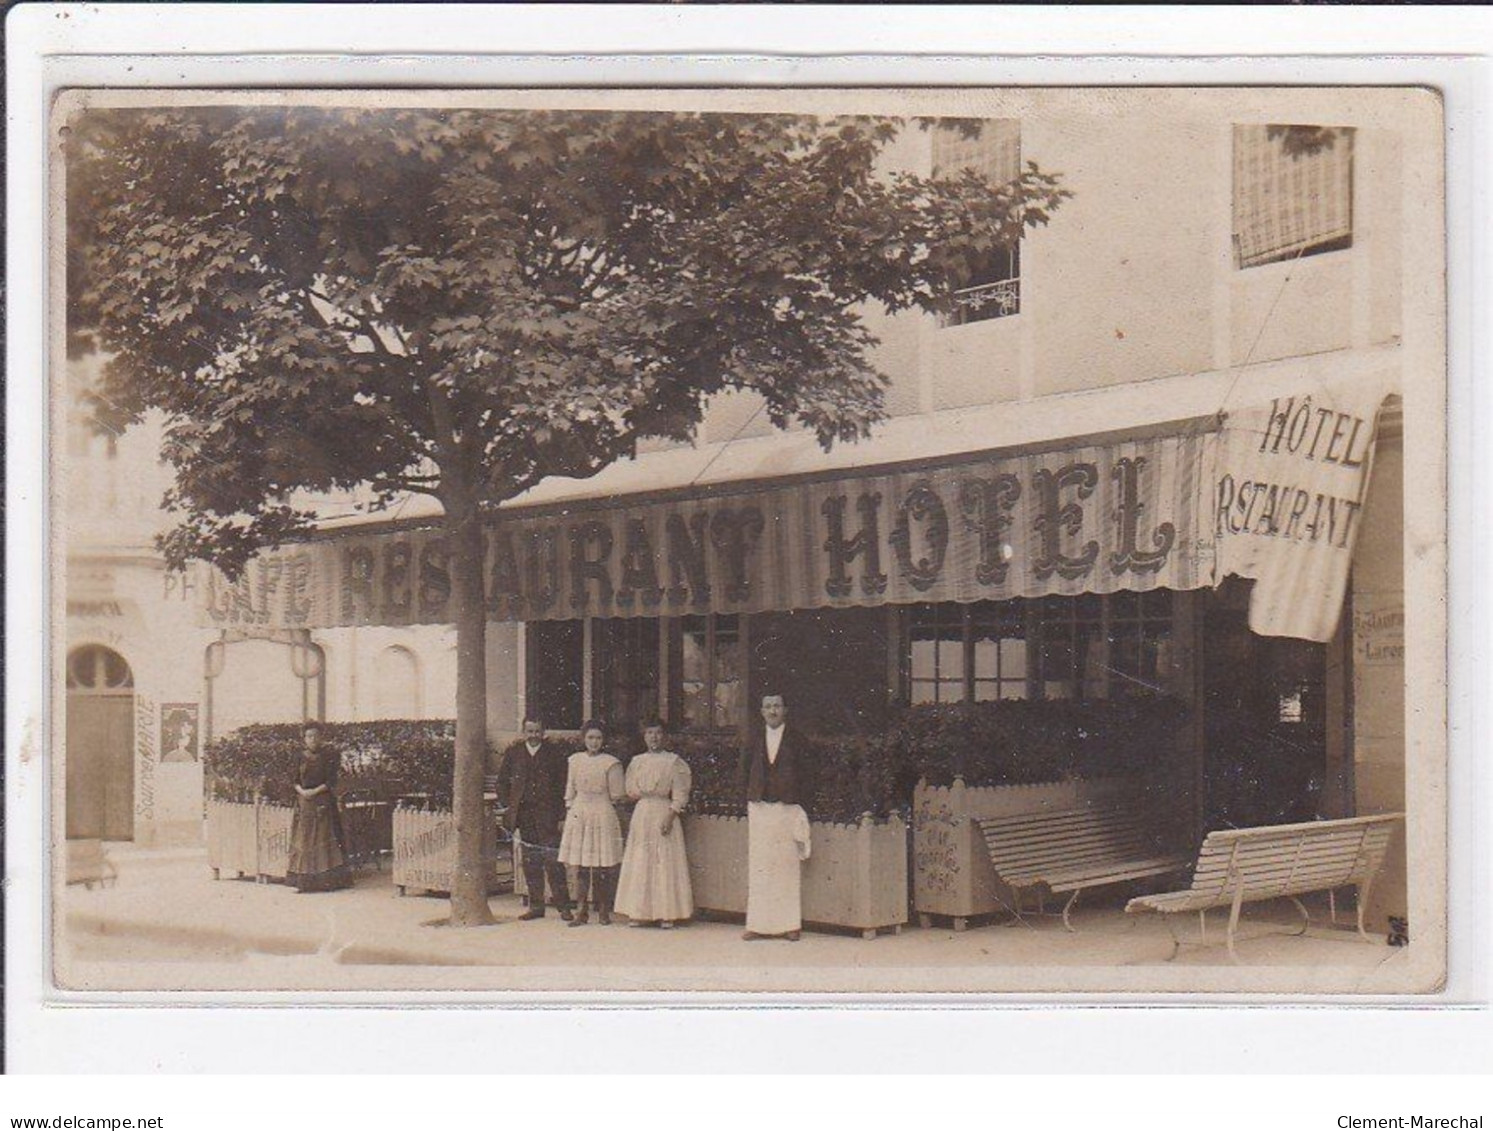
<point>1284,203</point>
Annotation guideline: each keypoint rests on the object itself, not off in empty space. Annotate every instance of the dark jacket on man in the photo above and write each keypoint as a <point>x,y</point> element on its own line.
<point>532,786</point>
<point>788,780</point>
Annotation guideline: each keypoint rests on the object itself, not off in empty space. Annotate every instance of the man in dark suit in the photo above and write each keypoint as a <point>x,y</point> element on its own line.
<point>531,783</point>
<point>776,773</point>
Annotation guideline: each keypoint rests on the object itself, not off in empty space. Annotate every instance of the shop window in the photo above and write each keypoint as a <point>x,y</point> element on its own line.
<point>625,672</point>
<point>710,660</point>
<point>1089,646</point>
<point>1293,192</point>
<point>963,652</point>
<point>556,672</point>
<point>1140,656</point>
<point>1070,647</point>
<point>991,148</point>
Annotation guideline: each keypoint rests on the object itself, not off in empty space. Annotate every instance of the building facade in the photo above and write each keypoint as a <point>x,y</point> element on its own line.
<point>135,645</point>
<point>1070,497</point>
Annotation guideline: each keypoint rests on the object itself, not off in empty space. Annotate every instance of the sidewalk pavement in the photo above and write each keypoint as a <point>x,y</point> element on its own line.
<point>165,923</point>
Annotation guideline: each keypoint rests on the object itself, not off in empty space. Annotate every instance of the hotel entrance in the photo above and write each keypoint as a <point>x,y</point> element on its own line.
<point>1265,720</point>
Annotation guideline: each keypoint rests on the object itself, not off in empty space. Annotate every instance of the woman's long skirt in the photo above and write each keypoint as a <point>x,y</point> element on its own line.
<point>593,835</point>
<point>777,845</point>
<point>654,884</point>
<point>317,859</point>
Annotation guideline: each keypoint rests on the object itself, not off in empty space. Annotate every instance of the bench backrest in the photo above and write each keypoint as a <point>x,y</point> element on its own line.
<point>1027,844</point>
<point>1281,860</point>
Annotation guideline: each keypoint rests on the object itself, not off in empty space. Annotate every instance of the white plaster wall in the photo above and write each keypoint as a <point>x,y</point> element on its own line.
<point>1134,278</point>
<point>1379,670</point>
<point>360,674</point>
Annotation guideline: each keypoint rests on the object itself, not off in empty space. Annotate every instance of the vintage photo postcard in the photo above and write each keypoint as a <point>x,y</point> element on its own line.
<point>795,541</point>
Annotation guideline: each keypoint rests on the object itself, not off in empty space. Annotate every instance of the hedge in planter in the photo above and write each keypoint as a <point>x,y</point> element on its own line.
<point>854,776</point>
<point>1023,742</point>
<point>394,756</point>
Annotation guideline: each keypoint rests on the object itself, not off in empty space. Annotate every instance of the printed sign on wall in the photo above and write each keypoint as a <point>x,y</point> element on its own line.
<point>179,733</point>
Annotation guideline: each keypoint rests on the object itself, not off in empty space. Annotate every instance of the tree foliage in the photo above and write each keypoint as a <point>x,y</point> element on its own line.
<point>1306,141</point>
<point>461,303</point>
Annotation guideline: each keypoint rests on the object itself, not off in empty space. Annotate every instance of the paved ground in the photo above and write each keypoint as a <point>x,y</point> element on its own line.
<point>164,923</point>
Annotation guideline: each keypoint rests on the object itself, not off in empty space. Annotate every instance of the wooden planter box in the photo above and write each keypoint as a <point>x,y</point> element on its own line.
<point>425,852</point>
<point>274,841</point>
<point>952,873</point>
<point>232,838</point>
<point>856,875</point>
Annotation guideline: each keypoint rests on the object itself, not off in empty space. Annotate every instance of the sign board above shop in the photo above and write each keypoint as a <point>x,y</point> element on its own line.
<point>1176,508</point>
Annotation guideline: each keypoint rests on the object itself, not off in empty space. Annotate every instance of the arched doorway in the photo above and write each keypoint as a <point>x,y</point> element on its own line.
<point>100,745</point>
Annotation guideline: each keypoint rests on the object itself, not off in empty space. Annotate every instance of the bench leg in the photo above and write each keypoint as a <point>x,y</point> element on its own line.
<point>1234,919</point>
<point>959,923</point>
<point>1176,942</point>
<point>1202,923</point>
<point>925,920</point>
<point>1332,907</point>
<point>1067,907</point>
<point>1306,919</point>
<point>1363,903</point>
<point>869,933</point>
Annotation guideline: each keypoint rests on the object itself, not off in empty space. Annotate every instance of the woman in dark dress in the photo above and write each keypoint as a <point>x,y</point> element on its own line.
<point>317,859</point>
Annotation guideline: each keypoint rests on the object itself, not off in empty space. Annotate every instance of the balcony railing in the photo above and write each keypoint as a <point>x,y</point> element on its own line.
<point>990,300</point>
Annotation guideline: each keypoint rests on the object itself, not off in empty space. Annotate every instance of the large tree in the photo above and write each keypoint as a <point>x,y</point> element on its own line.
<point>462,303</point>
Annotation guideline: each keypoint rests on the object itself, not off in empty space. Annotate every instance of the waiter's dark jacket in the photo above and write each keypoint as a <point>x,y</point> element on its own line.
<point>787,781</point>
<point>533,788</point>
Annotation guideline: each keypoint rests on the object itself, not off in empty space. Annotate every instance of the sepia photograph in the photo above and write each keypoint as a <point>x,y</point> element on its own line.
<point>679,542</point>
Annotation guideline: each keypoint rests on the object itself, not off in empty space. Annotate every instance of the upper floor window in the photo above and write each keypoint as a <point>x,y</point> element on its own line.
<point>1293,192</point>
<point>991,148</point>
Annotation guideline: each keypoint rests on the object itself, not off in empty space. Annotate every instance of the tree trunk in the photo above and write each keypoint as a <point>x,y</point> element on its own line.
<point>469,906</point>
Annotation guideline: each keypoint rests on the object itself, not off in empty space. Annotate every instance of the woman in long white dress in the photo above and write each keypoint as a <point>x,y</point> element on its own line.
<point>654,886</point>
<point>592,840</point>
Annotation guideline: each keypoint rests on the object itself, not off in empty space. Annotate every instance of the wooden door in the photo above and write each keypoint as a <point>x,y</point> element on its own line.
<point>100,767</point>
<point>100,785</point>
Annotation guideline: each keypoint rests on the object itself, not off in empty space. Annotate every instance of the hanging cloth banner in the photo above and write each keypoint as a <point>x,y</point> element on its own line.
<point>1094,518</point>
<point>1290,484</point>
<point>1276,496</point>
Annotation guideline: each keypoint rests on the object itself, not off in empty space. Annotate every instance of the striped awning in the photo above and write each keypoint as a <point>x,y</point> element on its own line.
<point>1272,491</point>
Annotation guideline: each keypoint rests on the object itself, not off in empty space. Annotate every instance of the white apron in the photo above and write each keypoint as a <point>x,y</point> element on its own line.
<point>777,844</point>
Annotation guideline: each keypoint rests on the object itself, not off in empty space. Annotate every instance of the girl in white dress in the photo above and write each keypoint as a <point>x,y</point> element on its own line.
<point>592,840</point>
<point>654,885</point>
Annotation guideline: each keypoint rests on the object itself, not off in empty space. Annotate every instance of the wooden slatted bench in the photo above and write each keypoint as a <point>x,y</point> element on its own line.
<point>1072,850</point>
<point>1239,866</point>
